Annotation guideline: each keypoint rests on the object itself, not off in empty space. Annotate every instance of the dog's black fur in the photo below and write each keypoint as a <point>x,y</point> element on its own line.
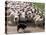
<point>22,26</point>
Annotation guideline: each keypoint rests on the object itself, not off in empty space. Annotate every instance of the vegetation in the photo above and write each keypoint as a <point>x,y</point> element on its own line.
<point>40,6</point>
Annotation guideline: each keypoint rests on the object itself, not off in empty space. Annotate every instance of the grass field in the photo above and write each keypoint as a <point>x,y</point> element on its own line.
<point>39,5</point>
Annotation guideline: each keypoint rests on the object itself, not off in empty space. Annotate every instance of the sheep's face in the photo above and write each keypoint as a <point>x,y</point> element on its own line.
<point>16,18</point>
<point>29,13</point>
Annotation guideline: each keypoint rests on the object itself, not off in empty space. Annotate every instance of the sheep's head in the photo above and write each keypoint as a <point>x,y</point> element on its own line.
<point>16,18</point>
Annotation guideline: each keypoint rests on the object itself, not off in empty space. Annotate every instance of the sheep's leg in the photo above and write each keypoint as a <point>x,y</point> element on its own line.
<point>18,27</point>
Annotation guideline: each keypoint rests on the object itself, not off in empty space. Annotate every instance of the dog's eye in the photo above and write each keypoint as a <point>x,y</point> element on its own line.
<point>15,18</point>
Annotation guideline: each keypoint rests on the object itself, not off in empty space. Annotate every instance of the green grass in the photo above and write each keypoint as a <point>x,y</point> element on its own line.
<point>39,5</point>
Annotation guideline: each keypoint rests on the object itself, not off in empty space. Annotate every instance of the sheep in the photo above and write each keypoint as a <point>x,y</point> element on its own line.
<point>38,20</point>
<point>13,17</point>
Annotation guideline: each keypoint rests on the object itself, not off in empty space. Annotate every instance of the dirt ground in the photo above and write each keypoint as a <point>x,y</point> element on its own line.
<point>13,29</point>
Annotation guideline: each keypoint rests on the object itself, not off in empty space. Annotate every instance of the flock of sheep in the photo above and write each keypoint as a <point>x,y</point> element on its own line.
<point>23,11</point>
